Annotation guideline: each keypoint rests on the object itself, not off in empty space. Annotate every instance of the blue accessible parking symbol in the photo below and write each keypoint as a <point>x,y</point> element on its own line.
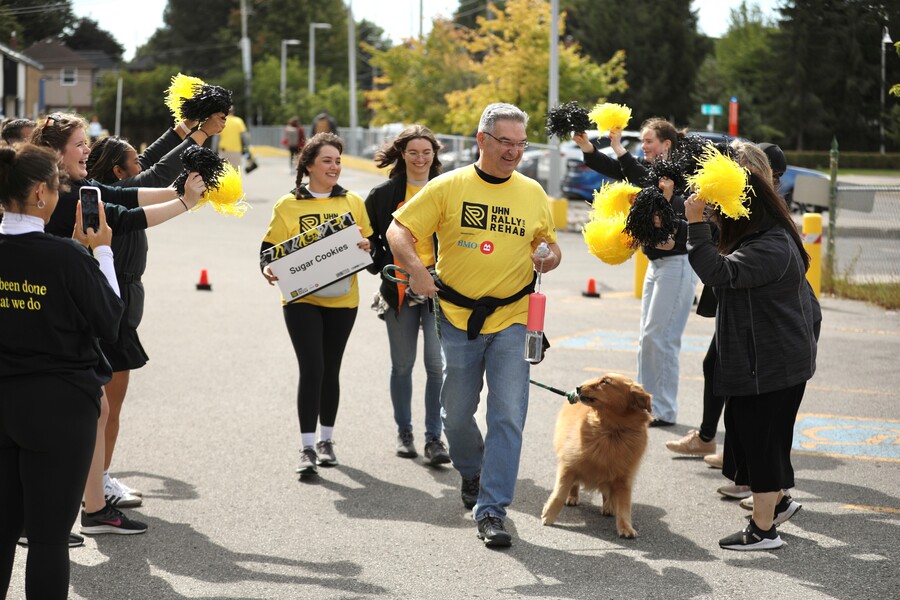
<point>847,437</point>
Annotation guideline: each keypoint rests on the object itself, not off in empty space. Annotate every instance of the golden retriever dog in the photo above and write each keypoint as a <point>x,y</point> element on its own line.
<point>599,441</point>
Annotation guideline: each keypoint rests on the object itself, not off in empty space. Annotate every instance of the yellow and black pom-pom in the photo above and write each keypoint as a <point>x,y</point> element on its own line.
<point>228,197</point>
<point>610,116</point>
<point>614,198</point>
<point>562,120</point>
<point>181,87</point>
<point>606,240</point>
<point>639,224</point>
<point>193,99</point>
<point>722,182</point>
<point>206,101</point>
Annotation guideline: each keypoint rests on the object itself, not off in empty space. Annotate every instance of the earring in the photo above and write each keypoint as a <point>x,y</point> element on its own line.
<point>41,204</point>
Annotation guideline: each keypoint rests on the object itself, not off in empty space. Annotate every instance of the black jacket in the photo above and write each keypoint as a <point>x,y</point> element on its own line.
<point>381,203</point>
<point>123,214</point>
<point>765,318</point>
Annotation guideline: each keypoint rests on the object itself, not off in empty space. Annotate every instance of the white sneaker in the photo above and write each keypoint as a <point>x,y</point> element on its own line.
<point>118,497</point>
<point>125,488</point>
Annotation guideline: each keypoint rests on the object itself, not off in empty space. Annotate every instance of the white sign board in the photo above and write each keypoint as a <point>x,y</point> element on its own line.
<point>317,258</point>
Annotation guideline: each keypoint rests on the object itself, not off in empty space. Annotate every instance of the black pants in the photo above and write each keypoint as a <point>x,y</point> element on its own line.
<point>759,433</point>
<point>712,404</point>
<point>319,336</point>
<point>47,432</point>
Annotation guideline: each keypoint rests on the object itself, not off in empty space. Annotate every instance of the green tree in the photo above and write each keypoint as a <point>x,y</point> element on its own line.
<point>828,72</point>
<point>741,67</point>
<point>514,45</point>
<point>86,34</point>
<point>663,50</point>
<point>416,76</point>
<point>33,20</point>
<point>144,112</point>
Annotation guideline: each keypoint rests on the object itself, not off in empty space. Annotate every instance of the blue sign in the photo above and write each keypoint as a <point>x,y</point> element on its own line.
<point>713,110</point>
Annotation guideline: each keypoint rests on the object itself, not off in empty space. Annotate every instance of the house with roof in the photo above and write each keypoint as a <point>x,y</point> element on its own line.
<point>20,84</point>
<point>69,76</point>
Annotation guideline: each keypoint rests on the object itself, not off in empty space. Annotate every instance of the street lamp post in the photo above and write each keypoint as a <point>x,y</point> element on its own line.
<point>312,53</point>
<point>885,39</point>
<point>284,45</point>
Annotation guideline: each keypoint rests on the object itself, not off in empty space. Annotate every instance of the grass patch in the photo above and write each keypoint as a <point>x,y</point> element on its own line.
<point>885,295</point>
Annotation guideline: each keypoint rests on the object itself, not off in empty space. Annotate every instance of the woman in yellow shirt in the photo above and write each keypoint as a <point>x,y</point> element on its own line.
<point>319,324</point>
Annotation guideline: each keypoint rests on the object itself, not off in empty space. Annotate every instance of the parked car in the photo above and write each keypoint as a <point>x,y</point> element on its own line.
<point>580,181</point>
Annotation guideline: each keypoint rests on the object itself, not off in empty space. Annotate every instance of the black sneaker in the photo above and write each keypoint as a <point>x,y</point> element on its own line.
<point>308,461</point>
<point>469,490</point>
<point>436,452</point>
<point>75,540</point>
<point>110,520</point>
<point>786,509</point>
<point>491,530</point>
<point>325,451</point>
<point>405,447</point>
<point>752,538</point>
<point>657,422</point>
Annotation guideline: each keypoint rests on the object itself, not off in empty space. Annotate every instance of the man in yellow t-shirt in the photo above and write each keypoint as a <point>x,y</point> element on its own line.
<point>489,219</point>
<point>232,139</point>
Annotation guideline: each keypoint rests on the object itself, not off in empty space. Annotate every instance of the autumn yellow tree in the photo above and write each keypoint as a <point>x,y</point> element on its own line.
<point>416,75</point>
<point>515,67</point>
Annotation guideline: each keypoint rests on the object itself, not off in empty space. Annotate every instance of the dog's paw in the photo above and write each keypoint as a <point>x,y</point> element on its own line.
<point>572,501</point>
<point>627,533</point>
<point>547,521</point>
<point>606,510</point>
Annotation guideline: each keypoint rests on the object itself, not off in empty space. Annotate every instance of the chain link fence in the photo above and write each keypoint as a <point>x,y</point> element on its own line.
<point>866,237</point>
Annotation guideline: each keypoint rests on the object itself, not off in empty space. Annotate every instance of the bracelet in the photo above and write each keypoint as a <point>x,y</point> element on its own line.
<point>186,209</point>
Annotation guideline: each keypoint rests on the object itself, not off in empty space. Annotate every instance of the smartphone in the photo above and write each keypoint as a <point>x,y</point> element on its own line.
<point>90,209</point>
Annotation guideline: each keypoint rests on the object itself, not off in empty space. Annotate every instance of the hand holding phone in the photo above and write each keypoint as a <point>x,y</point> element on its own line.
<point>90,208</point>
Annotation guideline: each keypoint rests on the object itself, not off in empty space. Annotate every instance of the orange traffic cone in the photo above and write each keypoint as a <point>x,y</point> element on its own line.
<point>204,281</point>
<point>591,291</point>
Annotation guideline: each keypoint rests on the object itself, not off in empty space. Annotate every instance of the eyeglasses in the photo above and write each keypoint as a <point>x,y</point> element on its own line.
<point>508,144</point>
<point>413,154</point>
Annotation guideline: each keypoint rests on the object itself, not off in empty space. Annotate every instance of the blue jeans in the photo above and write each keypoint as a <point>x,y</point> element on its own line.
<point>500,356</point>
<point>666,303</point>
<point>403,335</point>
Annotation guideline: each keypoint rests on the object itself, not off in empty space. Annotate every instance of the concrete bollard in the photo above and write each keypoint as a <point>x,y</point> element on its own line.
<point>559,209</point>
<point>640,270</point>
<point>812,243</point>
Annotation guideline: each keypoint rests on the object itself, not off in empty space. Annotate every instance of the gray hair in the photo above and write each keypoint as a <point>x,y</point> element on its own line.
<point>501,111</point>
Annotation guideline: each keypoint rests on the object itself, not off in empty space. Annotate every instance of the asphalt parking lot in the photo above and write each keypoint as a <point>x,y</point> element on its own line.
<point>210,435</point>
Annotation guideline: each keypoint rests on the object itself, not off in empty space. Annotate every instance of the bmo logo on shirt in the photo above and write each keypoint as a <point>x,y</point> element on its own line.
<point>487,247</point>
<point>474,215</point>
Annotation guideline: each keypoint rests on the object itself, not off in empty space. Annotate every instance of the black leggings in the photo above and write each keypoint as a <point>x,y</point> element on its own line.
<point>712,404</point>
<point>47,432</point>
<point>319,336</point>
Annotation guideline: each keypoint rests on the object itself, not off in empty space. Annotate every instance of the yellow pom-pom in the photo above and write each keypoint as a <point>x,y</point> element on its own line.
<point>722,182</point>
<point>228,198</point>
<point>610,116</point>
<point>182,87</point>
<point>614,198</point>
<point>606,240</point>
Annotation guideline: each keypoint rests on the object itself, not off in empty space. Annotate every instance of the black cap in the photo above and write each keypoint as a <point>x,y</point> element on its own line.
<point>776,158</point>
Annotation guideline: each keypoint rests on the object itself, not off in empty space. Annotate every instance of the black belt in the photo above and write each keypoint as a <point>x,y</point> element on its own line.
<point>128,277</point>
<point>481,307</point>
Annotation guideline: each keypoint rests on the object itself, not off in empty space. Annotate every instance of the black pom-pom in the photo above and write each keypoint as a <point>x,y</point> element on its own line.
<point>667,168</point>
<point>562,120</point>
<point>639,223</point>
<point>204,161</point>
<point>206,101</point>
<point>688,153</point>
